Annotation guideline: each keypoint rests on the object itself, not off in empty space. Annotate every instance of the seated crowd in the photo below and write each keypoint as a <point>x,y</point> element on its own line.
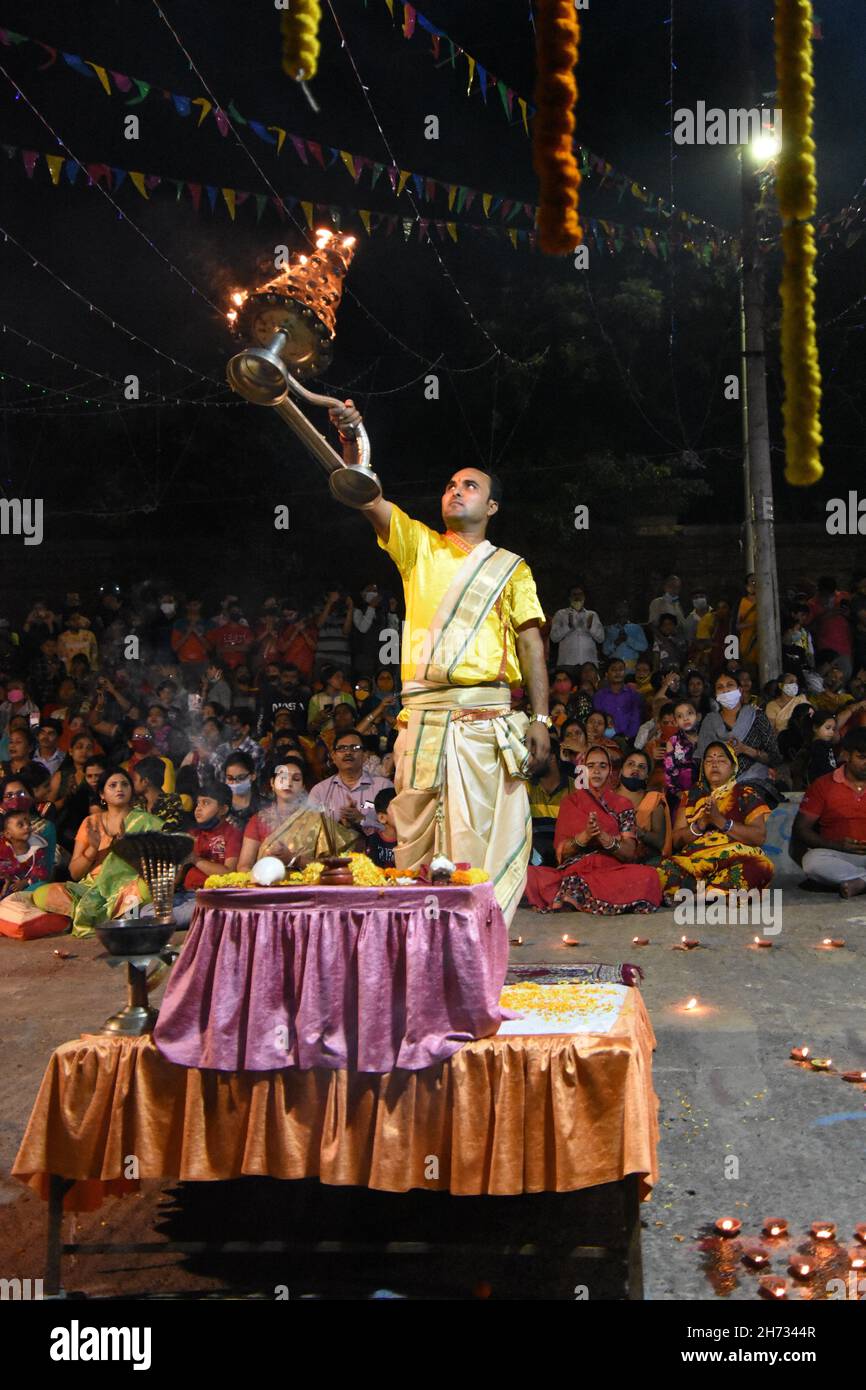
<point>273,734</point>
<point>667,759</point>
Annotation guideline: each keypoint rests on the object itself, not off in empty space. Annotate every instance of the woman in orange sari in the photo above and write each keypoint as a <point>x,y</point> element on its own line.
<point>747,624</point>
<point>596,847</point>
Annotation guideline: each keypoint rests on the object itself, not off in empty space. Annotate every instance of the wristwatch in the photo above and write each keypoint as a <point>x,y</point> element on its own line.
<point>542,719</point>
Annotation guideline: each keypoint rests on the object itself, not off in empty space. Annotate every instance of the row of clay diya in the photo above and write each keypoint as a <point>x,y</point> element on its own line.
<point>800,1268</point>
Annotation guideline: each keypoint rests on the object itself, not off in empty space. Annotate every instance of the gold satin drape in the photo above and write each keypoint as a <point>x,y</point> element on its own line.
<point>502,1116</point>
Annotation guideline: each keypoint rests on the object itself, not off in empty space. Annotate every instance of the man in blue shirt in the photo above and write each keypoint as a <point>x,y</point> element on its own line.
<point>624,639</point>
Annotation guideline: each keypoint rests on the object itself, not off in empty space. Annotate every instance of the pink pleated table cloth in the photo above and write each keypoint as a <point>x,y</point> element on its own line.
<point>369,979</point>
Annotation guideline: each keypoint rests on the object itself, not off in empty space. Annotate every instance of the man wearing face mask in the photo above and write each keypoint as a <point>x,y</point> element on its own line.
<point>238,727</point>
<point>232,639</point>
<point>624,639</point>
<point>747,730</point>
<point>577,629</point>
<point>160,629</point>
<point>546,791</point>
<point>668,602</point>
<point>701,613</point>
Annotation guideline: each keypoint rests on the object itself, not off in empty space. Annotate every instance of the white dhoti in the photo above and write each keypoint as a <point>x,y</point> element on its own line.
<point>460,788</point>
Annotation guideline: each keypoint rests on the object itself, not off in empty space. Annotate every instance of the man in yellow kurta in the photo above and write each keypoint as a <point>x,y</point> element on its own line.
<point>472,631</point>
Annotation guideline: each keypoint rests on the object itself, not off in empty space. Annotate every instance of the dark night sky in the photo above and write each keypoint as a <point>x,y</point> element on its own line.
<point>624,77</point>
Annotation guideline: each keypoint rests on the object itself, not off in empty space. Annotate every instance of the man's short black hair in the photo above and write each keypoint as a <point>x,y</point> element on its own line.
<point>382,800</point>
<point>855,741</point>
<point>496,488</point>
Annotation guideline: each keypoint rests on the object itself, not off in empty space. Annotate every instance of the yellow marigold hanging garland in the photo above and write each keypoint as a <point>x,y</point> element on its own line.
<point>796,188</point>
<point>557,39</point>
<point>300,30</point>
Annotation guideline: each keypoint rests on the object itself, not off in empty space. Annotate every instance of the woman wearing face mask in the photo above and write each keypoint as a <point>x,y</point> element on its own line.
<point>596,846</point>
<point>719,832</point>
<point>286,828</point>
<point>651,808</point>
<point>779,711</point>
<point>239,776</point>
<point>102,885</point>
<point>748,732</point>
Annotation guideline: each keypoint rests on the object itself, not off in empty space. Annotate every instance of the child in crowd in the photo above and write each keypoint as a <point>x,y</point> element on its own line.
<point>23,853</point>
<point>822,756</point>
<point>654,736</point>
<point>217,843</point>
<point>679,760</point>
<point>381,842</point>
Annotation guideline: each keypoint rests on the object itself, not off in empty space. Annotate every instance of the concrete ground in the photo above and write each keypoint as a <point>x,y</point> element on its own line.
<point>744,1131</point>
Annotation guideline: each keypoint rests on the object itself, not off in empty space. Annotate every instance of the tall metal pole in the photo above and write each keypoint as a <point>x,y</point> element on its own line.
<point>760,473</point>
<point>748,518</point>
<point>761,477</point>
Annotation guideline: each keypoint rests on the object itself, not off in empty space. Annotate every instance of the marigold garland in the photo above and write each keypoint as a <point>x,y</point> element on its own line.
<point>796,187</point>
<point>557,38</point>
<point>300,30</point>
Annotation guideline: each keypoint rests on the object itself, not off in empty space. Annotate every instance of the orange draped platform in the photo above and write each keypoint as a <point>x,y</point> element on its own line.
<point>504,1115</point>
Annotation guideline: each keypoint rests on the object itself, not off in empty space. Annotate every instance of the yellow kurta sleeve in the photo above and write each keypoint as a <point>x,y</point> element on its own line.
<point>523,598</point>
<point>403,540</point>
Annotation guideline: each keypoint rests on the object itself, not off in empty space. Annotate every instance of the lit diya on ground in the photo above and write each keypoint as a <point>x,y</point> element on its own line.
<point>517,940</point>
<point>860,1233</point>
<point>823,1230</point>
<point>821,1063</point>
<point>800,1054</point>
<point>775,1226</point>
<point>854,1076</point>
<point>757,1256</point>
<point>772,1286</point>
<point>728,1226</point>
<point>857,1257</point>
<point>801,1269</point>
<point>686,943</point>
<point>830,944</point>
<point>640,941</point>
<point>569,940</point>
<point>760,943</point>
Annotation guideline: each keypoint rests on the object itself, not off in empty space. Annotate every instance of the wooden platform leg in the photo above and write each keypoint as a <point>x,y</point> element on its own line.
<point>57,1189</point>
<point>634,1256</point>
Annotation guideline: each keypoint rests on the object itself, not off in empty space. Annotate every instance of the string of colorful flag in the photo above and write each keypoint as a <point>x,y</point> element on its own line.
<point>427,188</point>
<point>610,237</point>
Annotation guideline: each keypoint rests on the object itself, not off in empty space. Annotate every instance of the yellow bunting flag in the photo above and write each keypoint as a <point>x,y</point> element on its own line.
<point>486,200</point>
<point>280,134</point>
<point>348,161</point>
<point>55,164</point>
<point>205,107</point>
<point>452,230</point>
<point>452,194</point>
<point>521,101</point>
<point>390,4</point>
<point>138,181</point>
<point>471,61</point>
<point>229,195</point>
<point>364,214</point>
<point>308,213</point>
<point>512,236</point>
<point>102,75</point>
<point>404,177</point>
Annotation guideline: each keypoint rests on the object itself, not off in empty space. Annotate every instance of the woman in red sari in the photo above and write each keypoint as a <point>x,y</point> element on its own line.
<point>596,844</point>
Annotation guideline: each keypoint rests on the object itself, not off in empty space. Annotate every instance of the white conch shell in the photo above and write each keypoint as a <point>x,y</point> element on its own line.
<point>268,871</point>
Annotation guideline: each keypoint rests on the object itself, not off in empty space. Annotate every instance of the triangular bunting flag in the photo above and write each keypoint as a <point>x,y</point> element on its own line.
<point>195,194</point>
<point>364,214</point>
<point>103,77</point>
<point>349,163</point>
<point>280,134</point>
<point>300,148</point>
<point>377,171</point>
<point>55,164</point>
<point>71,170</point>
<point>235,114</point>
<point>452,230</point>
<point>121,81</point>
<point>258,129</point>
<point>418,181</point>
<point>308,213</point>
<point>137,181</point>
<point>211,196</point>
<point>222,121</point>
<point>182,105</point>
<point>120,175</point>
<point>522,104</point>
<point>486,199</point>
<point>512,234</point>
<point>205,107</point>
<point>404,175</point>
<point>507,98</point>
<point>316,151</point>
<point>77,64</point>
<point>408,21</point>
<point>229,195</point>
<point>471,61</point>
<point>482,78</point>
<point>30,157</point>
<point>143,92</point>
